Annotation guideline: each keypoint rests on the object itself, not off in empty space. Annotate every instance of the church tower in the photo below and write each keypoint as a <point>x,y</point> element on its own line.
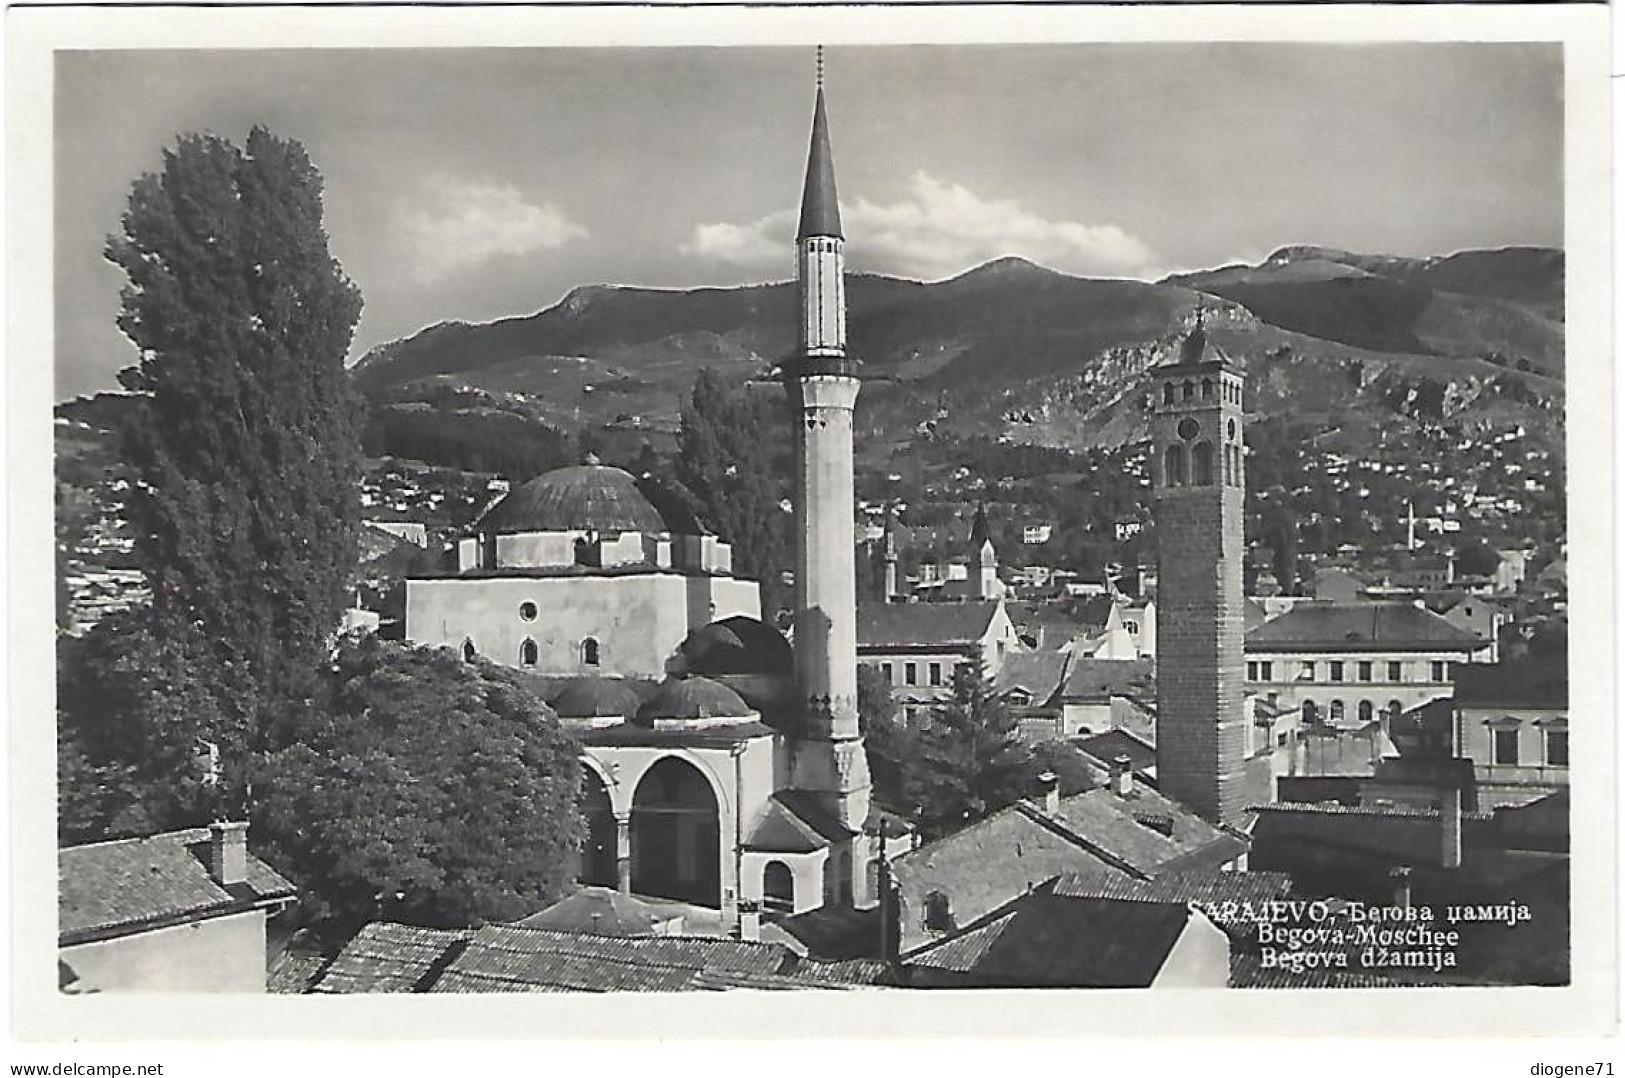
<point>1200,490</point>
<point>828,759</point>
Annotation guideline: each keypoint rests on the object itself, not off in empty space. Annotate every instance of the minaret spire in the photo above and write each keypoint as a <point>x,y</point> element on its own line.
<point>820,207</point>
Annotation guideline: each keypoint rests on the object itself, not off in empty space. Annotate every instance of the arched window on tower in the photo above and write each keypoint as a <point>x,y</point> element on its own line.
<point>527,653</point>
<point>1311,711</point>
<point>1202,464</point>
<point>1337,711</point>
<point>1173,466</point>
<point>1167,393</point>
<point>1189,391</point>
<point>468,650</point>
<point>589,651</point>
<point>1207,389</point>
<point>1365,710</point>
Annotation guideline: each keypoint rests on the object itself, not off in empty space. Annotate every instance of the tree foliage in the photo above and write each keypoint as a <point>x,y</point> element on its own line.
<point>888,742</point>
<point>426,790</point>
<point>243,450</point>
<point>971,761</point>
<point>733,462</point>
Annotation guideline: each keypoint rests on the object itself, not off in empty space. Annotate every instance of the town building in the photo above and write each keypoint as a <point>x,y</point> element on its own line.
<point>917,647</point>
<point>1512,721</point>
<point>182,911</point>
<point>1348,662</point>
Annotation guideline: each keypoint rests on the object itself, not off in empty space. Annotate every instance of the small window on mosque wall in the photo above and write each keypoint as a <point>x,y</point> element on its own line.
<point>589,651</point>
<point>528,653</point>
<point>527,610</point>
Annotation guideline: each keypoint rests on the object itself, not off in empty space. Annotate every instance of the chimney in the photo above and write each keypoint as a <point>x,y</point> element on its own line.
<point>1049,793</point>
<point>228,852</point>
<point>1401,875</point>
<point>1450,828</point>
<point>1450,569</point>
<point>750,920</point>
<point>1122,776</point>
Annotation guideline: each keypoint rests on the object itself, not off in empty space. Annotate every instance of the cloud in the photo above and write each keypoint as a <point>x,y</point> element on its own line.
<point>938,229</point>
<point>458,223</point>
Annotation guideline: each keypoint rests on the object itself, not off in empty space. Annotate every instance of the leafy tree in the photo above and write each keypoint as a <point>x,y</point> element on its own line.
<point>888,742</point>
<point>136,708</point>
<point>427,790</point>
<point>243,447</point>
<point>971,761</point>
<point>1074,769</point>
<point>732,460</point>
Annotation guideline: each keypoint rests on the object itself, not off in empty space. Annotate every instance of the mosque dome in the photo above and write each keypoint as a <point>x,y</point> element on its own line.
<point>737,646</point>
<point>589,496</point>
<point>596,698</point>
<point>693,698</point>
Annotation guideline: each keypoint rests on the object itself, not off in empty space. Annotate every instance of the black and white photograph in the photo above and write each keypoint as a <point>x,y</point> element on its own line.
<point>831,509</point>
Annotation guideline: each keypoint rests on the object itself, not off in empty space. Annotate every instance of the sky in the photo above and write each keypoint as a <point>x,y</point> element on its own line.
<point>473,184</point>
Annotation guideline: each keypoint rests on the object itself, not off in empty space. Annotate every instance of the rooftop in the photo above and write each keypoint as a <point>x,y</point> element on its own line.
<point>108,889</point>
<point>588,496</point>
<point>924,625</point>
<point>1359,626</point>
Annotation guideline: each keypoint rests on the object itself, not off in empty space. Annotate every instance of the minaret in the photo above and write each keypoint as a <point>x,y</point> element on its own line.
<point>888,552</point>
<point>828,759</point>
<point>1200,491</point>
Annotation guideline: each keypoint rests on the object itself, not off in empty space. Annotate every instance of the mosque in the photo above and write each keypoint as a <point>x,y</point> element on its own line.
<point>724,768</point>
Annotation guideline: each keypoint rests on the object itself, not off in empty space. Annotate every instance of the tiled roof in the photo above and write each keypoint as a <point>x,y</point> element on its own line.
<point>1127,828</point>
<point>112,888</point>
<point>1047,940</point>
<point>390,958</point>
<point>506,959</point>
<point>1038,673</point>
<point>924,625</point>
<point>1110,744</point>
<point>600,911</point>
<point>1308,836</point>
<point>793,822</point>
<point>1526,684</point>
<point>1208,890</point>
<point>1098,680</point>
<point>1359,626</point>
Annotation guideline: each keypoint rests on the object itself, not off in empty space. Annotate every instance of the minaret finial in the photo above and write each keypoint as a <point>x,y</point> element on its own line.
<point>820,74</point>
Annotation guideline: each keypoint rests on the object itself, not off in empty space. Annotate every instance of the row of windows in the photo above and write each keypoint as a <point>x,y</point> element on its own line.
<point>530,654</point>
<point>911,672</point>
<point>1339,670</point>
<point>1187,391</point>
<point>1366,711</point>
<point>1200,470</point>
<point>1556,744</point>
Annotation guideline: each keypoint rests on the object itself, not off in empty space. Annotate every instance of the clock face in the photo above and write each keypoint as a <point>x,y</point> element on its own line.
<point>1188,428</point>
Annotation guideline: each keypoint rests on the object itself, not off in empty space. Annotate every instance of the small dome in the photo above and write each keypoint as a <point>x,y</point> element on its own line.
<point>587,496</point>
<point>595,698</point>
<point>737,645</point>
<point>692,698</point>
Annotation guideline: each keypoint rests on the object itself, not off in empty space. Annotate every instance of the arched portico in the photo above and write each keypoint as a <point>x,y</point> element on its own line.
<point>676,834</point>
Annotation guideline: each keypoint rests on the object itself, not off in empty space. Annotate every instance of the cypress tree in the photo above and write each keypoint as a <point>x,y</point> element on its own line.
<point>243,451</point>
<point>971,761</point>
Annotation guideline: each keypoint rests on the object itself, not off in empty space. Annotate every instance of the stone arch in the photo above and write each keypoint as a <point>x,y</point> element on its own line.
<point>778,887</point>
<point>1202,464</point>
<point>676,831</point>
<point>598,848</point>
<point>529,653</point>
<point>1173,466</point>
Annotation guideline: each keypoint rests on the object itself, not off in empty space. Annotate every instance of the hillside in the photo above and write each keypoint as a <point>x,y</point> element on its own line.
<point>1015,351</point>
